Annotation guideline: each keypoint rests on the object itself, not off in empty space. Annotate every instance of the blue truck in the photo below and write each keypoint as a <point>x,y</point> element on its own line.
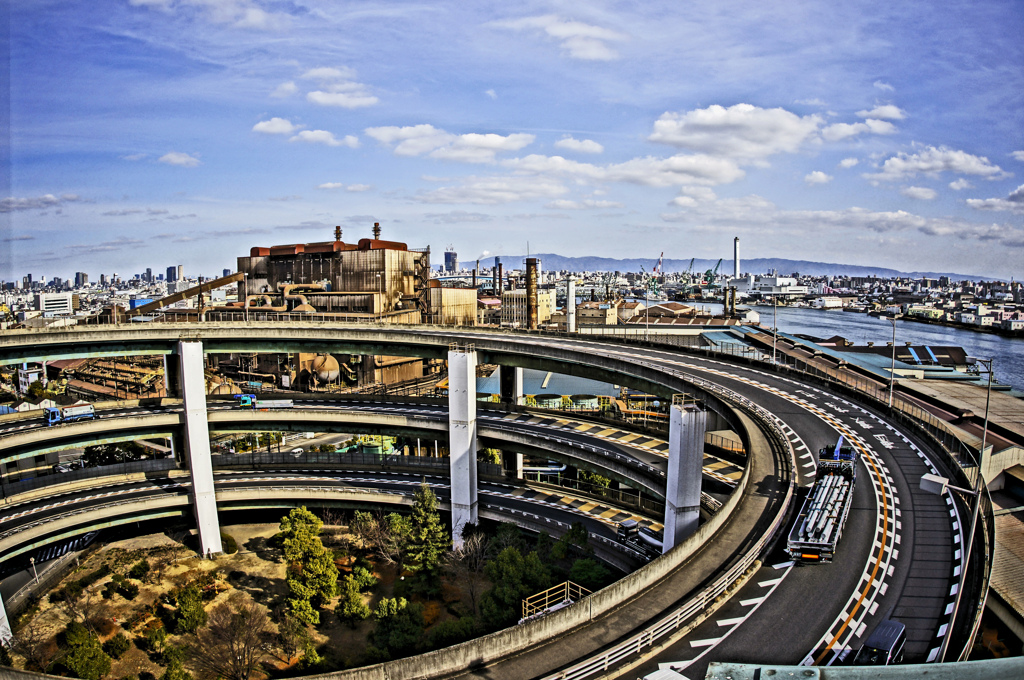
<point>68,414</point>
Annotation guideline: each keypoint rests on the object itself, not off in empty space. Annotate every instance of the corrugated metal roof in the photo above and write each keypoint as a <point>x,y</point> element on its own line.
<point>1008,560</point>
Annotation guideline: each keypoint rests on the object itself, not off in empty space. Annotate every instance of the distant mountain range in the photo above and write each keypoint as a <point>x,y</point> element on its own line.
<point>759,265</point>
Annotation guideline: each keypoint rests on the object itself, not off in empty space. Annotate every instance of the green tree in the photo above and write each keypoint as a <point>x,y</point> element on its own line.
<point>175,658</point>
<point>313,579</point>
<point>399,627</point>
<point>490,456</point>
<point>589,573</point>
<point>428,540</point>
<point>576,538</point>
<point>351,607</point>
<point>191,614</point>
<point>117,645</point>
<point>514,577</point>
<point>36,391</point>
<point>85,658</point>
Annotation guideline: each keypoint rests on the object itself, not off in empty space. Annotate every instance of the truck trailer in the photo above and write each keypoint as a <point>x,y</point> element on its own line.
<point>69,414</point>
<point>250,401</point>
<point>819,526</point>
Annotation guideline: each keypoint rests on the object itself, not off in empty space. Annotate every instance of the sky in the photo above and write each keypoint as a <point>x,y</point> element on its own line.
<point>149,133</point>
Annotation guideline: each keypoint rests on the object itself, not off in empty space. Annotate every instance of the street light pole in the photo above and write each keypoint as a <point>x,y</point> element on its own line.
<point>892,369</point>
<point>32,561</point>
<point>380,288</point>
<point>775,325</point>
<point>245,294</point>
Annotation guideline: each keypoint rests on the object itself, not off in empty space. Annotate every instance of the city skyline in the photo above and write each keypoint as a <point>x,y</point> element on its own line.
<point>150,131</point>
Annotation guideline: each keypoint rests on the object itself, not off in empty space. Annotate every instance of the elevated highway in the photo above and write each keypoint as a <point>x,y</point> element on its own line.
<point>899,557</point>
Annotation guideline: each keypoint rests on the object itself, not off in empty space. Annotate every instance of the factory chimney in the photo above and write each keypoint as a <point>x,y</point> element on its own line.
<point>736,258</point>
<point>337,233</point>
<point>376,231</point>
<point>531,293</point>
<point>499,286</point>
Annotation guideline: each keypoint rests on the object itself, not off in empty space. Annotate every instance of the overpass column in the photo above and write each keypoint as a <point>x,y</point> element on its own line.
<point>197,445</point>
<point>687,424</point>
<point>511,378</point>
<point>462,441</point>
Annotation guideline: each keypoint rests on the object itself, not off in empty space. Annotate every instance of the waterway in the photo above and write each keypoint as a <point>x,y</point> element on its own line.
<point>861,328</point>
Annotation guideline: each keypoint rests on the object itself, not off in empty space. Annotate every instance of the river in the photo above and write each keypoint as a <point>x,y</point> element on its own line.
<point>861,328</point>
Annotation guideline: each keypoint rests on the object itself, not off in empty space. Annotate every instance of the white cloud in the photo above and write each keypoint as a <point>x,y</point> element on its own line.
<point>325,137</point>
<point>934,160</point>
<point>1018,155</point>
<point>759,213</point>
<point>345,100</point>
<point>839,131</point>
<point>884,87</point>
<point>491,93</point>
<point>579,145</point>
<point>960,184</point>
<point>814,101</point>
<point>588,204</point>
<point>698,169</point>
<point>742,131</point>
<point>577,39</point>
<point>275,126</point>
<point>1014,203</point>
<point>330,185</point>
<point>329,73</point>
<point>919,193</point>
<point>285,90</point>
<point>358,187</point>
<point>817,177</point>
<point>13,204</point>
<point>338,88</point>
<point>238,13</point>
<point>417,140</point>
<point>885,112</point>
<point>848,162</point>
<point>495,190</point>
<point>178,158</point>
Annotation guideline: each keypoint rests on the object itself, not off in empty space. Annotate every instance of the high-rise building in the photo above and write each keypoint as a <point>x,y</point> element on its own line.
<point>172,273</point>
<point>149,275</point>
<point>81,279</point>
<point>451,261</point>
<point>227,272</point>
<point>103,279</point>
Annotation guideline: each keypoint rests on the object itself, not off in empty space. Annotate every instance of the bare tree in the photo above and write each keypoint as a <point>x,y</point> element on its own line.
<point>235,641</point>
<point>34,642</point>
<point>387,535</point>
<point>466,563</point>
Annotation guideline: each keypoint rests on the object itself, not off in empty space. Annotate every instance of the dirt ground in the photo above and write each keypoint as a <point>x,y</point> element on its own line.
<point>256,571</point>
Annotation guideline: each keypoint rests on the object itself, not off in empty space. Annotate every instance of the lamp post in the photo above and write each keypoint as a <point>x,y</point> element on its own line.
<point>245,294</point>
<point>32,561</point>
<point>892,369</point>
<point>775,325</point>
<point>380,288</point>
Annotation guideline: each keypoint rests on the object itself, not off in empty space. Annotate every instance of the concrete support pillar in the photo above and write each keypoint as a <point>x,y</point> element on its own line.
<point>511,379</point>
<point>5,625</point>
<point>462,440</point>
<point>570,306</point>
<point>197,445</point>
<point>685,459</point>
<point>512,464</point>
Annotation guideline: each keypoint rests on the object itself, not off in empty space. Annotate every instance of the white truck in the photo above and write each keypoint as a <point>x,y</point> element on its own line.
<point>819,526</point>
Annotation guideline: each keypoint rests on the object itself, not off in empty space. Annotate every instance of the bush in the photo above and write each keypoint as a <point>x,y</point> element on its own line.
<point>155,637</point>
<point>364,580</point>
<point>139,570</point>
<point>122,586</point>
<point>228,544</point>
<point>117,646</point>
<point>190,615</point>
<point>85,656</point>
<point>451,632</point>
<point>75,588</point>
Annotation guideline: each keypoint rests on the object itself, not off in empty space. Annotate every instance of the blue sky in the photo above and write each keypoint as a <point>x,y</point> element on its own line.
<point>146,133</point>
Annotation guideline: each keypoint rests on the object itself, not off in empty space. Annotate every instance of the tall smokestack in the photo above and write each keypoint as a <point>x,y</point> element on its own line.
<point>501,280</point>
<point>376,231</point>
<point>736,258</point>
<point>570,305</point>
<point>531,293</point>
<point>337,233</point>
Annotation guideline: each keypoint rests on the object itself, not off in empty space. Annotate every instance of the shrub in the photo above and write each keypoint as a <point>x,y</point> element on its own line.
<point>117,646</point>
<point>190,615</point>
<point>451,632</point>
<point>139,570</point>
<point>155,637</point>
<point>364,580</point>
<point>228,544</point>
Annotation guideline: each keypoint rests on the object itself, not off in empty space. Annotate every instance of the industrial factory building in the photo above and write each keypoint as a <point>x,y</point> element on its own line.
<point>382,280</point>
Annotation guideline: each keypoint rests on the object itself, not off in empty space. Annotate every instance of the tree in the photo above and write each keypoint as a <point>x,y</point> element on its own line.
<point>191,614</point>
<point>577,537</point>
<point>386,535</point>
<point>234,642</point>
<point>428,540</point>
<point>35,644</point>
<point>117,646</point>
<point>175,658</point>
<point>514,577</point>
<point>313,578</point>
<point>351,607</point>
<point>85,656</point>
<point>589,573</point>
<point>399,627</point>
<point>466,563</point>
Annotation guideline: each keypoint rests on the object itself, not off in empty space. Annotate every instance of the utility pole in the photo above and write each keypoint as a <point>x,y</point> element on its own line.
<point>892,369</point>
